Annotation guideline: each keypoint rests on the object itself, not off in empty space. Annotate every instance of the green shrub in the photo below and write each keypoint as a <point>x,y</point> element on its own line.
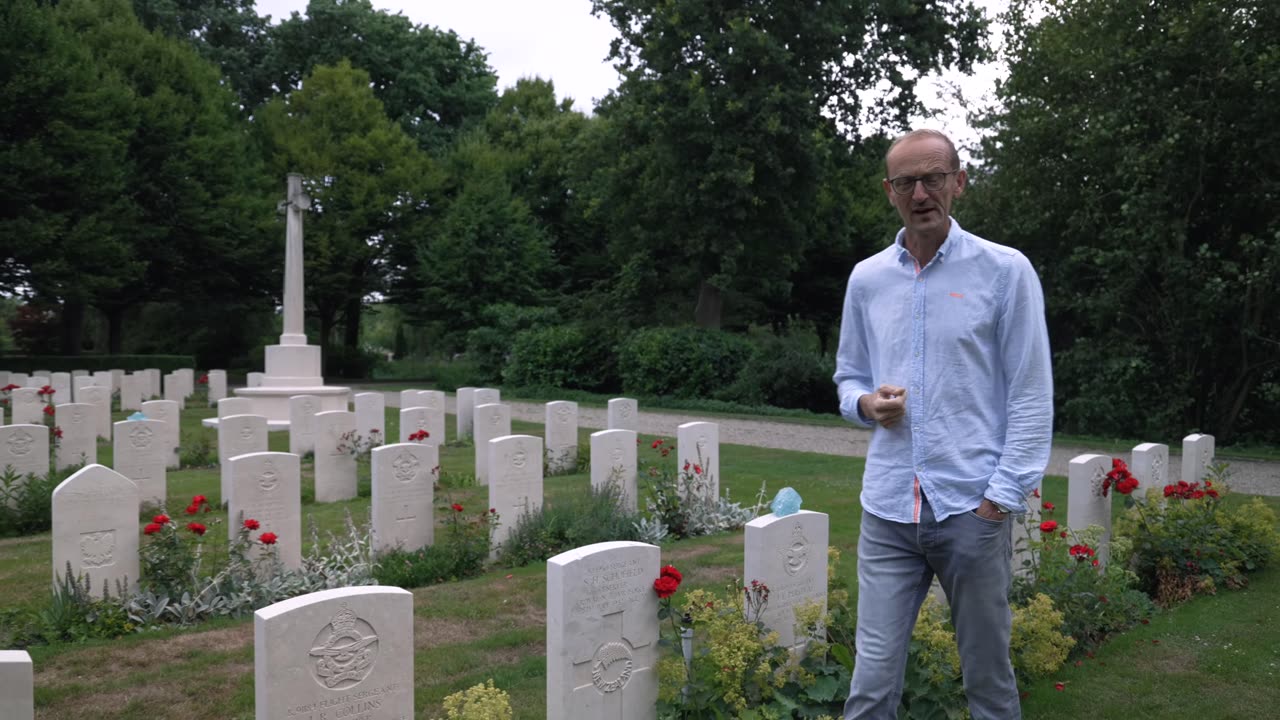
<point>489,345</point>
<point>785,375</point>
<point>683,362</point>
<point>353,363</point>
<point>583,519</point>
<point>562,356</point>
<point>26,506</point>
<point>460,551</point>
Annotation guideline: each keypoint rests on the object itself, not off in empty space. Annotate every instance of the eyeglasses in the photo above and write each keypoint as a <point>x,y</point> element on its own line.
<point>906,184</point>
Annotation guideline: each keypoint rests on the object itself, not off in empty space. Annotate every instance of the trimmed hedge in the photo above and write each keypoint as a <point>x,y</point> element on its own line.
<point>67,363</point>
<point>684,362</point>
<point>567,356</point>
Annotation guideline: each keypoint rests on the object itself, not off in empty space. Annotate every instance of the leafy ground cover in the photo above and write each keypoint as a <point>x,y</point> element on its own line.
<point>1212,657</point>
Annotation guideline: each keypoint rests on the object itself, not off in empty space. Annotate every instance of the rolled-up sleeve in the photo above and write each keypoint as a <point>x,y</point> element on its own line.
<point>853,358</point>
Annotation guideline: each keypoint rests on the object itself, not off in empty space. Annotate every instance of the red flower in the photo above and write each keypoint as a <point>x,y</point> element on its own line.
<point>1127,485</point>
<point>251,524</point>
<point>457,507</point>
<point>1062,534</point>
<point>9,387</point>
<point>1095,562</point>
<point>419,435</point>
<point>192,509</point>
<point>46,390</point>
<point>1059,687</point>
<point>151,529</point>
<point>666,586</point>
<point>197,528</point>
<point>671,571</point>
<point>1048,526</point>
<point>1080,552</point>
<point>48,410</point>
<point>1197,494</point>
<point>1047,506</point>
<point>199,500</point>
<point>268,538</point>
<point>1036,492</point>
<point>57,431</point>
<point>697,469</point>
<point>1212,493</point>
<point>204,380</point>
<point>160,519</point>
<point>493,511</point>
<point>655,444</point>
<point>666,452</point>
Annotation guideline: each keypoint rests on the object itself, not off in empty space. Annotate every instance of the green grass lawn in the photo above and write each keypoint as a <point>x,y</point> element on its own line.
<point>1216,657</point>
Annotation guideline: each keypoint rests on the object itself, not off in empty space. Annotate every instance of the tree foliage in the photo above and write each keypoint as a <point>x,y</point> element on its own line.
<point>1136,163</point>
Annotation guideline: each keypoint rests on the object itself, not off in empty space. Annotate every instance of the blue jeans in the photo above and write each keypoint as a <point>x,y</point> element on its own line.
<point>971,557</point>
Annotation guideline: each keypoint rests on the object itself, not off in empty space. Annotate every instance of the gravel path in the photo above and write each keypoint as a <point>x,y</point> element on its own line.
<point>1246,476</point>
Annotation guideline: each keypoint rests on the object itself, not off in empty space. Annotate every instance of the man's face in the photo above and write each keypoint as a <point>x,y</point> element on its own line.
<point>925,213</point>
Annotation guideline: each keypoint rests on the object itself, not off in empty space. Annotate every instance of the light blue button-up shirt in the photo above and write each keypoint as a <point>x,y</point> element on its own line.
<point>966,336</point>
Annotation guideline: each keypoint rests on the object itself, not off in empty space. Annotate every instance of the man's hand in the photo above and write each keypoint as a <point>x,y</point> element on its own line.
<point>886,405</point>
<point>989,511</point>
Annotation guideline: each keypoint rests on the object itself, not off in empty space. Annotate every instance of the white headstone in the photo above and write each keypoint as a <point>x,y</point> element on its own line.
<point>698,446</point>
<point>464,411</point>
<point>116,376</point>
<point>602,632</point>
<point>26,407</point>
<point>404,476</point>
<point>409,398</point>
<point>515,480</point>
<point>17,685</point>
<point>1150,466</point>
<point>61,383</point>
<point>238,435</point>
<point>254,379</point>
<point>24,450</point>
<point>414,419</point>
<point>267,487</point>
<point>789,555</point>
<point>344,653</point>
<point>217,386</point>
<point>302,423</point>
<point>78,383</point>
<point>167,411</point>
<point>491,421</point>
<point>1197,456</point>
<point>19,379</point>
<point>95,527</point>
<point>234,406</point>
<point>79,373</point>
<point>186,381</point>
<point>613,462</point>
<point>624,414</point>
<point>102,378</point>
<point>38,381</point>
<point>434,400</point>
<point>175,390</point>
<point>371,418</point>
<point>562,436</point>
<point>335,464</point>
<point>4,377</point>
<point>79,442</point>
<point>100,398</point>
<point>1086,505</point>
<point>153,384</point>
<point>131,392</point>
<point>138,453</point>
<point>488,396</point>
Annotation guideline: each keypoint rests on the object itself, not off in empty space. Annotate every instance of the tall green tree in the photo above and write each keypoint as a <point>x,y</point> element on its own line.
<point>366,178</point>
<point>1136,162</point>
<point>720,120</point>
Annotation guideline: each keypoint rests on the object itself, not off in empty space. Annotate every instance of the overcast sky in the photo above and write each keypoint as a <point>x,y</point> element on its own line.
<point>563,41</point>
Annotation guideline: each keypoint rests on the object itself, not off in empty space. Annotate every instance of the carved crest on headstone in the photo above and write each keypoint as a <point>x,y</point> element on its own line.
<point>405,466</point>
<point>345,651</point>
<point>611,667</point>
<point>796,554</point>
<point>140,437</point>
<point>97,549</point>
<point>20,443</point>
<point>269,477</point>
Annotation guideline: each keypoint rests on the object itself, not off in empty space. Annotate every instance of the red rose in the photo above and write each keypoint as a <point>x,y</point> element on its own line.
<point>493,511</point>
<point>1059,687</point>
<point>1048,526</point>
<point>666,586</point>
<point>48,410</point>
<point>251,524</point>
<point>199,500</point>
<point>160,519</point>
<point>57,431</point>
<point>1036,492</point>
<point>1212,493</point>
<point>686,466</point>
<point>671,571</point>
<point>1118,464</point>
<point>419,435</point>
<point>697,469</point>
<point>457,507</point>
<point>655,444</point>
<point>268,538</point>
<point>151,529</point>
<point>9,387</point>
<point>1047,506</point>
<point>192,509</point>
<point>1062,534</point>
<point>1095,562</point>
<point>1197,494</point>
<point>204,380</point>
<point>197,528</point>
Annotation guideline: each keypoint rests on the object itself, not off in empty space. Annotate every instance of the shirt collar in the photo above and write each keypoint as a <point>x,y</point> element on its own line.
<point>955,236</point>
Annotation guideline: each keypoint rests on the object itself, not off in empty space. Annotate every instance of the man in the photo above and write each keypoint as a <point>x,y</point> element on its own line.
<point>944,351</point>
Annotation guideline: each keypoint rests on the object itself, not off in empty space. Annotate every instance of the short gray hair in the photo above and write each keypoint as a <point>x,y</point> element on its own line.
<point>924,132</point>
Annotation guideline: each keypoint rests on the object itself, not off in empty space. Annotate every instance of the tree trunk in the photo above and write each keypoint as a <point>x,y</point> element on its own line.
<point>710,305</point>
<point>72,327</point>
<point>115,329</point>
<point>351,326</point>
<point>823,331</point>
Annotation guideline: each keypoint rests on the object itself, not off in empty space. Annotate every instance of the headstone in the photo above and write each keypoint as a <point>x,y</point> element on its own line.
<point>1086,505</point>
<point>698,446</point>
<point>267,487</point>
<point>79,442</point>
<point>602,632</point>
<point>100,398</point>
<point>434,400</point>
<point>488,396</point>
<point>37,381</point>
<point>1197,456</point>
<point>1150,466</point>
<point>186,381</point>
<point>371,418</point>
<point>4,377</point>
<point>414,419</point>
<point>19,379</point>
<point>102,378</point>
<point>409,398</point>
<point>138,453</point>
<point>95,527</point>
<point>116,376</point>
<point>302,423</point>
<point>464,411</point>
<point>613,462</point>
<point>17,685</point>
<point>254,379</point>
<point>404,476</point>
<point>131,392</point>
<point>515,480</point>
<point>335,463</point>
<point>167,411</point>
<point>562,436</point>
<point>336,654</point>
<point>153,384</point>
<point>624,414</point>
<point>238,435</point>
<point>78,383</point>
<point>174,390</point>
<point>24,450</point>
<point>789,555</point>
<point>234,406</point>
<point>217,386</point>
<point>26,407</point>
<point>79,373</point>
<point>61,383</point>
<point>491,421</point>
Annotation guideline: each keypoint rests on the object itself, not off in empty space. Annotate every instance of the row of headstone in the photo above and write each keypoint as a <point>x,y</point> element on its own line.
<point>467,399</point>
